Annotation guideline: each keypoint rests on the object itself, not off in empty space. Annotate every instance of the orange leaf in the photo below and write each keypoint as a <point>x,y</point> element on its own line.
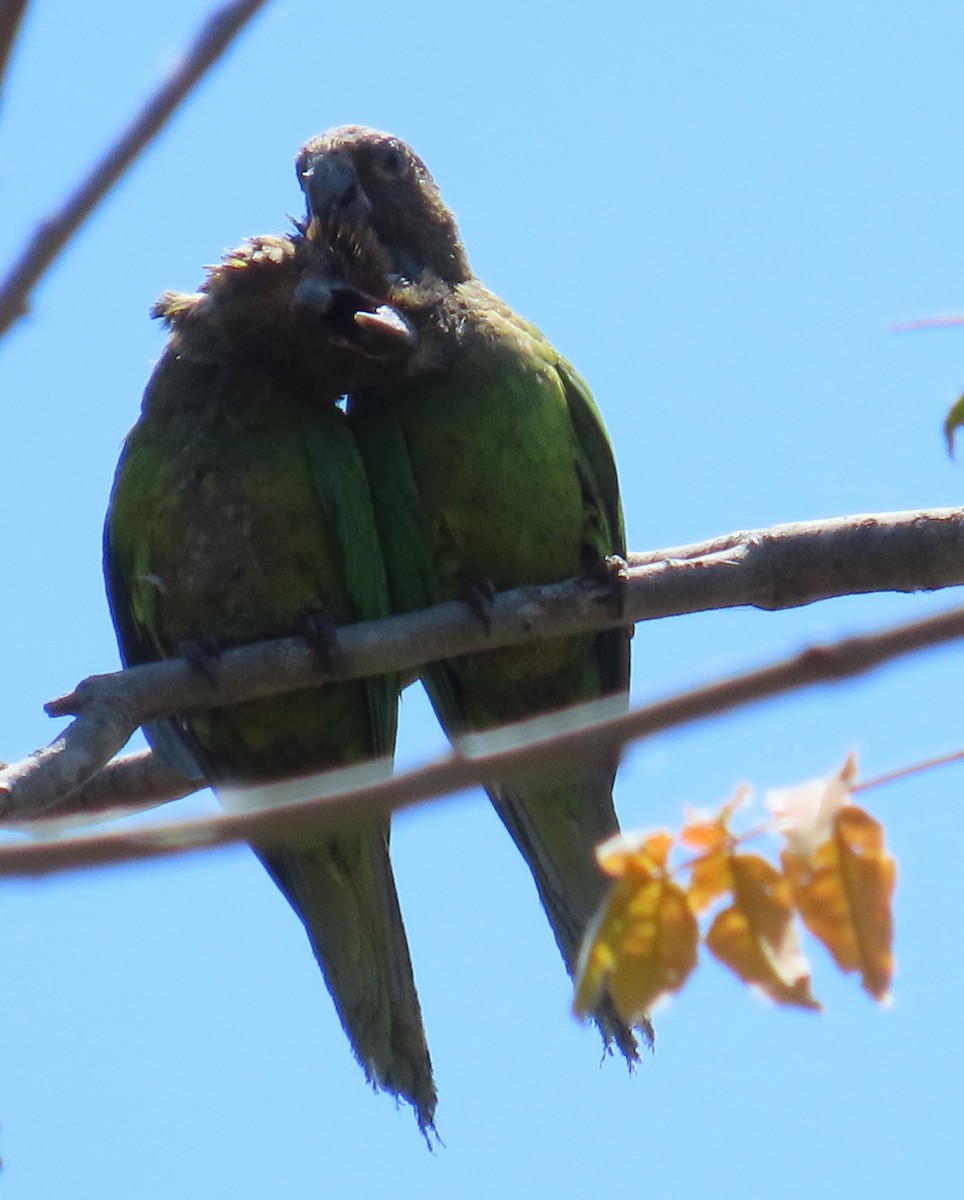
<point>624,852</point>
<point>756,938</point>
<point>712,833</point>
<point>709,879</point>
<point>710,873</point>
<point>640,948</point>
<point>843,891</point>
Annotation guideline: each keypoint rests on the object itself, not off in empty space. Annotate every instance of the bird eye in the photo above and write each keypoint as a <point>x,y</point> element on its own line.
<point>390,163</point>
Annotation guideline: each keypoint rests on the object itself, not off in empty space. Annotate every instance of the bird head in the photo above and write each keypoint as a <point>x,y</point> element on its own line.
<point>375,187</point>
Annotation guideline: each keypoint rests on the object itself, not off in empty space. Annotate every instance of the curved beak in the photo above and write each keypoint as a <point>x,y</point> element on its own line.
<point>331,187</point>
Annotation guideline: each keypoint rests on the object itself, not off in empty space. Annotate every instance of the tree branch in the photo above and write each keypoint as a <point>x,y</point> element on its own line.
<point>11,15</point>
<point>786,566</point>
<point>522,750</point>
<point>53,234</point>
<point>783,566</point>
<point>131,784</point>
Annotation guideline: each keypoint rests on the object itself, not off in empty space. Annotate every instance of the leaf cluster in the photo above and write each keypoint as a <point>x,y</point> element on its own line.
<point>833,874</point>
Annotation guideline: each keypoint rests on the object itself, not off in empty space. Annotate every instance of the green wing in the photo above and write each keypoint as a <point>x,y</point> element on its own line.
<point>605,528</point>
<point>596,456</point>
<point>237,509</point>
<point>403,525</point>
<point>130,594</point>
<point>501,470</point>
<point>338,475</point>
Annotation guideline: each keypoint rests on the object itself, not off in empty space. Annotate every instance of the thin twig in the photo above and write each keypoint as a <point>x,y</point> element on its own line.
<point>53,234</point>
<point>902,773</point>
<point>916,324</point>
<point>524,750</point>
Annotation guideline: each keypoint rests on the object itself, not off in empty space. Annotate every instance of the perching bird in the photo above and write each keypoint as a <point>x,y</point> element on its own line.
<point>489,466</point>
<point>241,511</point>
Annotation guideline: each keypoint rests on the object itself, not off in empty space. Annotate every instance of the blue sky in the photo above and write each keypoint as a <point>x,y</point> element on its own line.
<point>715,212</point>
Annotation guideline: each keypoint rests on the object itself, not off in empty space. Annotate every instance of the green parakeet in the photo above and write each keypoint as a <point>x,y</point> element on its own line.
<point>489,464</point>
<point>241,511</point>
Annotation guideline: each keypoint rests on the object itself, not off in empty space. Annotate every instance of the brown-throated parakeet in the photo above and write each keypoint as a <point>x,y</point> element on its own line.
<point>488,462</point>
<point>241,511</point>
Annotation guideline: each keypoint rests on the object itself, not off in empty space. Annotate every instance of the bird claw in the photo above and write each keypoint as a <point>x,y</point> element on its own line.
<point>202,655</point>
<point>613,572</point>
<point>320,631</point>
<point>480,597</point>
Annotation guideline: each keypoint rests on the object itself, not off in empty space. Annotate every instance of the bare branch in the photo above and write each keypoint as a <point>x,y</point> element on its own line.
<point>524,749</point>
<point>11,15</point>
<point>780,567</point>
<point>53,234</point>
<point>789,565</point>
<point>132,784</point>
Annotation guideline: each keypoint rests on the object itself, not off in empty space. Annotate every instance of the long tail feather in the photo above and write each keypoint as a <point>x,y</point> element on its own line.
<point>556,824</point>
<point>343,890</point>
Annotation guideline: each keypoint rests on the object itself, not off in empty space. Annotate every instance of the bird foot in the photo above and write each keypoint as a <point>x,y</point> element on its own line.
<point>480,598</point>
<point>613,572</point>
<point>202,655</point>
<point>320,631</point>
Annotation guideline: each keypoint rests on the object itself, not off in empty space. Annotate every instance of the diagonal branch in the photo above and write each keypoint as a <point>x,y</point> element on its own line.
<point>53,234</point>
<point>131,784</point>
<point>11,15</point>
<point>523,750</point>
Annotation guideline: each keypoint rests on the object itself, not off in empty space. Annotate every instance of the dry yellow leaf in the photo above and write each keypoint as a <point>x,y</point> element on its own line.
<point>712,832</point>
<point>642,945</point>
<point>646,852</point>
<point>843,891</point>
<point>710,874</point>
<point>756,937</point>
<point>709,880</point>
